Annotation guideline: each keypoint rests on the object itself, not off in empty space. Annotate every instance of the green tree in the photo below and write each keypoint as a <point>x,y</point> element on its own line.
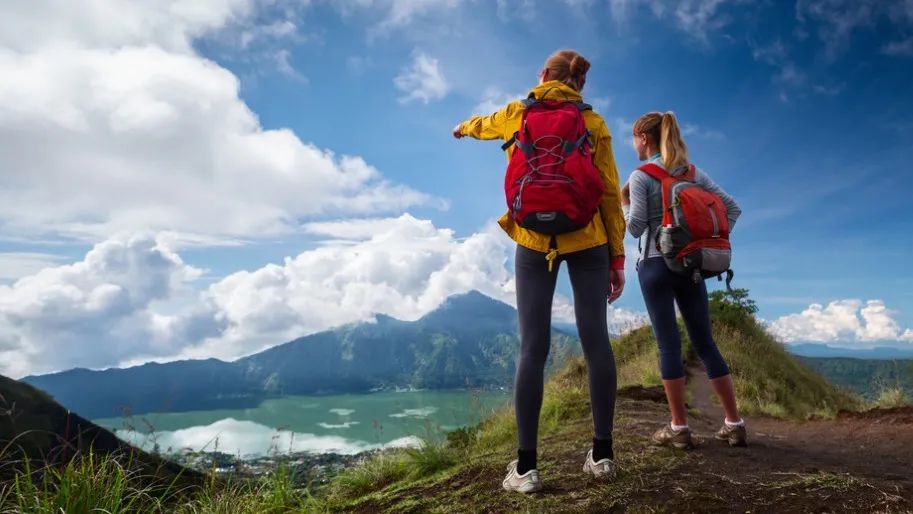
<point>732,306</point>
<point>735,298</point>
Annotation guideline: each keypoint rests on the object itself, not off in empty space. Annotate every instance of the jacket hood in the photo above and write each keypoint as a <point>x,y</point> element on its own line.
<point>555,90</point>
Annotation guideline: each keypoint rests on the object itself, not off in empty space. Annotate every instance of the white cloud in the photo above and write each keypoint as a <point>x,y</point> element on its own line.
<point>903,47</point>
<point>694,18</point>
<point>493,100</point>
<point>690,129</point>
<point>846,321</point>
<point>99,311</point>
<point>838,20</point>
<point>402,267</point>
<point>117,305</point>
<point>402,12</point>
<point>14,265</point>
<point>112,123</point>
<point>422,80</point>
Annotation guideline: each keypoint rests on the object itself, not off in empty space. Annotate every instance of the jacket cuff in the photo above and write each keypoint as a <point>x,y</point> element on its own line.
<point>617,262</point>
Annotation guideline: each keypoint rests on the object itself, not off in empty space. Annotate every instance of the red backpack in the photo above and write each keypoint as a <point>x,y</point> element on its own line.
<point>694,237</point>
<point>552,185</point>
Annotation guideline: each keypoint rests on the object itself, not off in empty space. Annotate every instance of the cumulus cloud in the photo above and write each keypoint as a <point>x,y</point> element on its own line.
<point>116,306</point>
<point>422,81</point>
<point>493,100</point>
<point>847,321</point>
<point>402,267</point>
<point>14,265</point>
<point>113,123</point>
<point>99,311</point>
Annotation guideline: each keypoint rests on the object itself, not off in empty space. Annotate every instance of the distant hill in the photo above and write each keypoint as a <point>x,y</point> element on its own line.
<point>35,427</point>
<point>470,340</point>
<point>823,350</point>
<point>867,377</point>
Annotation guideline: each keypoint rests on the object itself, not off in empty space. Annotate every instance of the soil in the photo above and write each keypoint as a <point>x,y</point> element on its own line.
<point>858,462</point>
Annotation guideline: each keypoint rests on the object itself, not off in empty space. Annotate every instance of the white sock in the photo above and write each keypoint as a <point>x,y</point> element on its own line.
<point>677,428</point>
<point>730,424</point>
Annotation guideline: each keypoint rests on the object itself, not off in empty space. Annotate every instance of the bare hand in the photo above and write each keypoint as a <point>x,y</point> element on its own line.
<point>616,284</point>
<point>457,131</point>
<point>626,194</point>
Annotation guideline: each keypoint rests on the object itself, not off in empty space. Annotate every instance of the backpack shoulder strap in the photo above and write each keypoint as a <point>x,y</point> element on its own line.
<point>583,106</point>
<point>691,174</point>
<point>666,181</point>
<point>654,171</point>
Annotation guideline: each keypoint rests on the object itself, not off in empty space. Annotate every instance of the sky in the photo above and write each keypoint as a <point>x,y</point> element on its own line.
<point>207,178</point>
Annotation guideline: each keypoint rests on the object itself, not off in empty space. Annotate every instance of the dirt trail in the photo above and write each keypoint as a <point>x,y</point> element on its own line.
<point>856,463</point>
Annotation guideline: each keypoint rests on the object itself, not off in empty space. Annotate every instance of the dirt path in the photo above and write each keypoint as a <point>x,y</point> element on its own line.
<point>857,463</point>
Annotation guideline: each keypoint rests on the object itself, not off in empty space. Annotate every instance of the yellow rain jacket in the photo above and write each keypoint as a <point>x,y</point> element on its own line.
<point>608,226</point>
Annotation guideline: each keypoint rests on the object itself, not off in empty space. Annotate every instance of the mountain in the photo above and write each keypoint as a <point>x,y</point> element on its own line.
<point>35,427</point>
<point>822,350</point>
<point>468,341</point>
<point>152,387</point>
<point>867,377</point>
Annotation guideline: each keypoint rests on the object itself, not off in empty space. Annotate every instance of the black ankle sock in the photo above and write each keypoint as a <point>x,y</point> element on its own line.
<point>527,461</point>
<point>602,449</point>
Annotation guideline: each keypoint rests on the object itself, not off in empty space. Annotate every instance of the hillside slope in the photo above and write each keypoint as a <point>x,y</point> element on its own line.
<point>844,463</point>
<point>33,427</point>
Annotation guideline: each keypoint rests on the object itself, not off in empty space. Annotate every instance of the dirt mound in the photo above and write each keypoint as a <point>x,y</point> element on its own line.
<point>644,394</point>
<point>893,416</point>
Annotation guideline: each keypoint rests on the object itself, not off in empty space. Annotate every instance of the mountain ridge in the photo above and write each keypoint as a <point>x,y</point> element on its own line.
<point>470,340</point>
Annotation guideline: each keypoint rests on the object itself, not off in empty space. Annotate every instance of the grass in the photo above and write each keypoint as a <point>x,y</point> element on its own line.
<point>768,380</point>
<point>892,397</point>
<point>455,473</point>
<point>839,482</point>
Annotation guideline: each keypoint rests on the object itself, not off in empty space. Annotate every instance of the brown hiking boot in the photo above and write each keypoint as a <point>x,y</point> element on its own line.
<point>735,436</point>
<point>667,437</point>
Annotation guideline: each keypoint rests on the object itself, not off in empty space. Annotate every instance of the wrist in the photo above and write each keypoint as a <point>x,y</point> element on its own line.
<point>617,262</point>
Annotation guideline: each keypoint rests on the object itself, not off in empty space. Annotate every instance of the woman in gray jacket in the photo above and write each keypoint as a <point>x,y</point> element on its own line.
<point>657,139</point>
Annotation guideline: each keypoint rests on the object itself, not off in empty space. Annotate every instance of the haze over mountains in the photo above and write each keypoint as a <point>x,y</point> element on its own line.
<point>469,341</point>
<point>823,350</point>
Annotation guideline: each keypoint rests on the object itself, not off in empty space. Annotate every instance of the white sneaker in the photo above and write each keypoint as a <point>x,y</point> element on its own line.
<point>526,483</point>
<point>605,468</point>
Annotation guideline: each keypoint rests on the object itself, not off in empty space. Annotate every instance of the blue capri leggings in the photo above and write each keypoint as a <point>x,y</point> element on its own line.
<point>662,289</point>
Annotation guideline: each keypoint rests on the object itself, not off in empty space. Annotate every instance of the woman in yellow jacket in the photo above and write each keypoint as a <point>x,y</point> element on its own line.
<point>595,257</point>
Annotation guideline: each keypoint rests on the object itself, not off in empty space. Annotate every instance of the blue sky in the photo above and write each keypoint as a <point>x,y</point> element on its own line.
<point>800,109</point>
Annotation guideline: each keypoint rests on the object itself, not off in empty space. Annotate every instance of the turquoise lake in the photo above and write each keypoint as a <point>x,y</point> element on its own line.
<point>346,423</point>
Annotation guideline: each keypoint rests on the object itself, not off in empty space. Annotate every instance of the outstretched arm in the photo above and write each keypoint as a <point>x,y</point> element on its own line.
<point>491,126</point>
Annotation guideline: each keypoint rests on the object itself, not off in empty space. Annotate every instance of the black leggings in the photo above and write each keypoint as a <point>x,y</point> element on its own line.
<point>589,273</point>
<point>662,289</point>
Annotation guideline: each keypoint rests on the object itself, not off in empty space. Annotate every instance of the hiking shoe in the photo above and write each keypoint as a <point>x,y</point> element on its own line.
<point>605,468</point>
<point>526,483</point>
<point>735,436</point>
<point>667,437</point>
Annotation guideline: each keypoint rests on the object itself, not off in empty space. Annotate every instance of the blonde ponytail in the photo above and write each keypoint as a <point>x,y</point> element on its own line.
<point>671,145</point>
